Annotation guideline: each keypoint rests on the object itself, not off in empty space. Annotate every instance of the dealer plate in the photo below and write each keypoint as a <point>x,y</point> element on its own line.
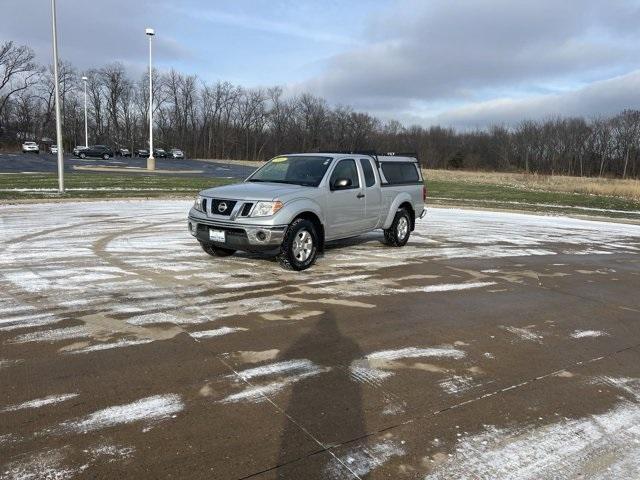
<point>217,235</point>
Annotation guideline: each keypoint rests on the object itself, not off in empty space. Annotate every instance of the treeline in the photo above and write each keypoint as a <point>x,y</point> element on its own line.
<point>222,120</point>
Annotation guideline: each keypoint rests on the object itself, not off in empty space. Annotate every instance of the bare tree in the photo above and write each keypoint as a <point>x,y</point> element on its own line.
<point>18,71</point>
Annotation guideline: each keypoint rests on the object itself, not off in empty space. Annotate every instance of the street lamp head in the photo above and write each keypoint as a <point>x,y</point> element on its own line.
<point>85,78</point>
<point>149,31</point>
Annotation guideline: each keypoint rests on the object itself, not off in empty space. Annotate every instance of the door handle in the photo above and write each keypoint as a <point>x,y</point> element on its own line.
<point>360,195</point>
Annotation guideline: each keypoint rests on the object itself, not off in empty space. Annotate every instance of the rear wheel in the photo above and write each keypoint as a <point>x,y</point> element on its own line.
<point>216,251</point>
<point>300,245</point>
<point>106,156</point>
<point>397,235</point>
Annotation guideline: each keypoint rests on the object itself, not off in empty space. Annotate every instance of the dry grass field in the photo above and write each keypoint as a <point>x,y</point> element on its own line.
<point>629,189</point>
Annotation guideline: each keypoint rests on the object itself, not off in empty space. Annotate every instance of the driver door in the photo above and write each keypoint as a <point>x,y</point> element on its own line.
<point>345,204</point>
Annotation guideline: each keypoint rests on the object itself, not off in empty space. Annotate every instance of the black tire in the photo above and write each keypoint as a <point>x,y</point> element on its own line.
<point>216,251</point>
<point>397,235</point>
<point>82,155</point>
<point>294,234</point>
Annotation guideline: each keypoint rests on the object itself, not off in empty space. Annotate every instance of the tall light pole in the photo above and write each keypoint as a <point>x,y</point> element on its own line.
<point>57,95</point>
<point>151,161</point>
<point>86,127</point>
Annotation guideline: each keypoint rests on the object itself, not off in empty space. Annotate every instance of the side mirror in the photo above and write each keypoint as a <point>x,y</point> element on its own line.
<point>341,183</point>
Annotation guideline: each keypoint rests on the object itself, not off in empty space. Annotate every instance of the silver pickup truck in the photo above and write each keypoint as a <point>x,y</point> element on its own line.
<point>293,204</point>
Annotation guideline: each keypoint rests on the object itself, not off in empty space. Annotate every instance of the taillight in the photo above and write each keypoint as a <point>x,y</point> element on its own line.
<point>424,193</point>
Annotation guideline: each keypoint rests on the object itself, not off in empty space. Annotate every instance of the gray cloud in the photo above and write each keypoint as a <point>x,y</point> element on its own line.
<point>429,53</point>
<point>90,33</point>
<point>604,98</point>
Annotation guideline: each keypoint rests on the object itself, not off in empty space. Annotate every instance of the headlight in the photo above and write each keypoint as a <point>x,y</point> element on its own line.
<point>198,204</point>
<point>265,209</point>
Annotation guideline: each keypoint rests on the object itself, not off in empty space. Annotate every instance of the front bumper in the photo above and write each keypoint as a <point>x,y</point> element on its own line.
<point>250,238</point>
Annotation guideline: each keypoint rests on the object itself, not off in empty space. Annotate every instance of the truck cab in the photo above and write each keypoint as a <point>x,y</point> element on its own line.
<point>295,203</point>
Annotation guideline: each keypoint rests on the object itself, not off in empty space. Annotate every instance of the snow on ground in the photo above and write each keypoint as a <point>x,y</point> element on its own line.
<point>148,409</point>
<point>141,253</point>
<point>601,446</point>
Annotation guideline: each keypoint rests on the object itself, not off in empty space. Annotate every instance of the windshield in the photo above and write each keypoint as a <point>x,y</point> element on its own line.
<point>307,171</point>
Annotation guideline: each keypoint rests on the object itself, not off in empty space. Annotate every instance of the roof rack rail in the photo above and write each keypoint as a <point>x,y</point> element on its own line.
<point>350,152</point>
<point>399,154</point>
<point>372,153</point>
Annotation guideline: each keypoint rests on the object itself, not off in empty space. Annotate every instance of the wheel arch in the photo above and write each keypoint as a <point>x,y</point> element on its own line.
<point>317,223</point>
<point>407,206</point>
<point>401,200</point>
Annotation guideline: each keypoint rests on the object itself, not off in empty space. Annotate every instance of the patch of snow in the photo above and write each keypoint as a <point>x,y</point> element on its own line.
<point>40,402</point>
<point>109,345</point>
<point>600,446</point>
<point>285,373</point>
<point>52,335</point>
<point>147,409</point>
<point>217,332</point>
<point>364,460</point>
<point>588,333</point>
<point>44,465</point>
<point>414,352</point>
<point>523,333</point>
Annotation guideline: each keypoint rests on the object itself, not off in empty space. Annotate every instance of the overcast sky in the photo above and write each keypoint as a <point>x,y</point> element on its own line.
<point>462,63</point>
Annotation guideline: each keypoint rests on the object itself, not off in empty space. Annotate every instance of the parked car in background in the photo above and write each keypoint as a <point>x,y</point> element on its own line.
<point>77,149</point>
<point>159,153</point>
<point>142,152</point>
<point>294,203</point>
<point>53,149</point>
<point>123,152</point>
<point>176,153</point>
<point>100,151</point>
<point>30,147</point>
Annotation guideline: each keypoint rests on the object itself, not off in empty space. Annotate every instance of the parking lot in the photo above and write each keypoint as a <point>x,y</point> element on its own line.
<point>494,345</point>
<point>47,163</point>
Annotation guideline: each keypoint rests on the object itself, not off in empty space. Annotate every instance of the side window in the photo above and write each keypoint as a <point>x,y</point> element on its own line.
<point>398,173</point>
<point>346,169</point>
<point>369,176</point>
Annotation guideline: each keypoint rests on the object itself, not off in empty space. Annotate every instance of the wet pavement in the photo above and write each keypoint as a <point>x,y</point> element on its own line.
<point>47,163</point>
<point>494,345</point>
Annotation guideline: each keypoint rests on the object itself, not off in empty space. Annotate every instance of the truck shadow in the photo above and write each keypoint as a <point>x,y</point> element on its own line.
<point>327,405</point>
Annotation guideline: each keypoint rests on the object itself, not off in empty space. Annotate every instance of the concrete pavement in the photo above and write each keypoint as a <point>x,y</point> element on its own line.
<point>494,345</point>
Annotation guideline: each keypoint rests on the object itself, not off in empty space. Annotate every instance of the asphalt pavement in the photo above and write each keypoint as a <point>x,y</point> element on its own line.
<point>492,346</point>
<point>47,163</point>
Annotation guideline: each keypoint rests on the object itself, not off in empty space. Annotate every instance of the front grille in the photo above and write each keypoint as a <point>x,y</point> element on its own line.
<point>246,209</point>
<point>222,207</point>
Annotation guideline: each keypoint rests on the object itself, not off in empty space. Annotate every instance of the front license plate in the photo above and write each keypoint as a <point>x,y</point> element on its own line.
<point>216,235</point>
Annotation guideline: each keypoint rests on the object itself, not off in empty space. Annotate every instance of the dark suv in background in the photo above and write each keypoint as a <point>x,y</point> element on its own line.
<point>100,151</point>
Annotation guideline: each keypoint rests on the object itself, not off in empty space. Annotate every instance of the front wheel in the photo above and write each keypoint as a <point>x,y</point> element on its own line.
<point>83,156</point>
<point>397,235</point>
<point>300,246</point>
<point>217,251</point>
<point>106,156</point>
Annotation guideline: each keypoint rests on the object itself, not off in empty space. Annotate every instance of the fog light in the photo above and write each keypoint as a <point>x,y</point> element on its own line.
<point>261,236</point>
<point>193,229</point>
